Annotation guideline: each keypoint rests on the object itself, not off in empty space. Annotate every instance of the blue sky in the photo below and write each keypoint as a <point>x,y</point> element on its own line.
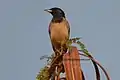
<point>24,37</point>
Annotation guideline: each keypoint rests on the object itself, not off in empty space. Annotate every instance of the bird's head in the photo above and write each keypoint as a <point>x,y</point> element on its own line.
<point>56,12</point>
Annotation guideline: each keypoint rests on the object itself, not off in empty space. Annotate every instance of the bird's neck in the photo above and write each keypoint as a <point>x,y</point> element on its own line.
<point>57,19</point>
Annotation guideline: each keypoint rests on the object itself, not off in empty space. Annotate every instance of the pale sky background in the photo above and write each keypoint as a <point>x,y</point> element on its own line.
<point>24,37</point>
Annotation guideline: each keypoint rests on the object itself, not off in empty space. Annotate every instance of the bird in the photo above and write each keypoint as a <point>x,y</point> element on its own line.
<point>59,30</point>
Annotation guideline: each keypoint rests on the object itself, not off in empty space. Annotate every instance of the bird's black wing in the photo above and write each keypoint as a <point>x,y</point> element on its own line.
<point>68,27</point>
<point>49,31</point>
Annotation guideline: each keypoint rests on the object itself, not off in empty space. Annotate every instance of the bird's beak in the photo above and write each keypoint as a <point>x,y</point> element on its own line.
<point>48,10</point>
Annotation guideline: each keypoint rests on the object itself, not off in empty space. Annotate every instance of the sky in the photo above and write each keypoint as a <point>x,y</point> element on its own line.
<point>24,35</point>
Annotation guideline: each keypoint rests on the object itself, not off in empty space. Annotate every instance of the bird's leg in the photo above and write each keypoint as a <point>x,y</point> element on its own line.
<point>61,47</point>
<point>57,52</point>
<point>61,51</point>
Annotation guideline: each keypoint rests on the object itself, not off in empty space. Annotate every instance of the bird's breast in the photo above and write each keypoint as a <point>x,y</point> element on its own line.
<point>59,31</point>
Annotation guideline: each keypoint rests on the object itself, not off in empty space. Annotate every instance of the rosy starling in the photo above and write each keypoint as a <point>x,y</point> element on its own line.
<point>59,30</point>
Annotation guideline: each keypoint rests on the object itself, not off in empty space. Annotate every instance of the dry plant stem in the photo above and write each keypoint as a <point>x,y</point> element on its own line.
<point>72,72</point>
<point>96,69</point>
<point>105,72</point>
<point>71,62</point>
<point>54,63</point>
<point>84,50</point>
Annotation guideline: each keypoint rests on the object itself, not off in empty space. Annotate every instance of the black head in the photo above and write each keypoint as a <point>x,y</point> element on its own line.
<point>56,12</point>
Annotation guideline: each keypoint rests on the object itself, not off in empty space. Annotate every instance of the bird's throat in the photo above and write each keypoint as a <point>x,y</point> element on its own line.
<point>57,19</point>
